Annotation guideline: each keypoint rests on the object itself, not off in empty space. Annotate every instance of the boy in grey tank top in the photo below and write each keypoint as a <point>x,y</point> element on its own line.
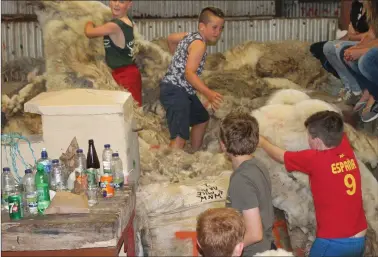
<point>250,187</point>
<point>181,82</point>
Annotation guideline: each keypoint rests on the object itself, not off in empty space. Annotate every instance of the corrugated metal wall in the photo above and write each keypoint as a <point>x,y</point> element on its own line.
<point>25,38</point>
<point>182,9</point>
<point>172,8</point>
<point>232,8</point>
<point>297,8</point>
<point>21,39</point>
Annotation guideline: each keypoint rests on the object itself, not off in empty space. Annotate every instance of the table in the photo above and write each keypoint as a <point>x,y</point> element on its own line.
<point>99,233</point>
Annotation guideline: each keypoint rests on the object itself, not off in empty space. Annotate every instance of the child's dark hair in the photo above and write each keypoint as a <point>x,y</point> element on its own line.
<point>239,132</point>
<point>206,13</point>
<point>327,126</point>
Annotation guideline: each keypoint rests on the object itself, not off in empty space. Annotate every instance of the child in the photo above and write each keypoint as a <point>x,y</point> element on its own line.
<point>119,42</point>
<point>250,187</point>
<point>179,85</point>
<point>220,232</point>
<point>335,184</point>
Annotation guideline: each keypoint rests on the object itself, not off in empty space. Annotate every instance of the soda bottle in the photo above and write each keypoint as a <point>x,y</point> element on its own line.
<point>42,184</point>
<point>30,194</point>
<point>93,166</point>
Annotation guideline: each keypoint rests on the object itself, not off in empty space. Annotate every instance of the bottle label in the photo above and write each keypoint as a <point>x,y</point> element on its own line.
<point>43,192</point>
<point>118,183</point>
<point>31,201</point>
<point>106,167</point>
<point>91,177</point>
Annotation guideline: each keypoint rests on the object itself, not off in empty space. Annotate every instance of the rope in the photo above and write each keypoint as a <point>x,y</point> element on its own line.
<point>11,141</point>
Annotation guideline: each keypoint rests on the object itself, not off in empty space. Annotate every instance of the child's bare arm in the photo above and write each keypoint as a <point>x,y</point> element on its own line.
<point>273,151</point>
<point>174,39</point>
<point>254,229</point>
<point>103,30</point>
<point>195,53</point>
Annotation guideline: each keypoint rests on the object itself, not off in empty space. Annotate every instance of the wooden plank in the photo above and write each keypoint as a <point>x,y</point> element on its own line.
<point>101,228</point>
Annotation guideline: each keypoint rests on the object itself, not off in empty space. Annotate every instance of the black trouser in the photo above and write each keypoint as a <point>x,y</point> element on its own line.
<point>273,246</point>
<point>317,51</point>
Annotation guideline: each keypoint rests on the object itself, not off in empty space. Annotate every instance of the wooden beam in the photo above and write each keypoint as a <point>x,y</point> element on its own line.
<point>344,18</point>
<point>18,17</point>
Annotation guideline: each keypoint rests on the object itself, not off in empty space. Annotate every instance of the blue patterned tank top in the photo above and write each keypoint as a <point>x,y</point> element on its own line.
<point>176,70</point>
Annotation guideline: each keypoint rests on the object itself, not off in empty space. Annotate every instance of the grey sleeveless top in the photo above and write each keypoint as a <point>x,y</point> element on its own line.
<point>176,70</point>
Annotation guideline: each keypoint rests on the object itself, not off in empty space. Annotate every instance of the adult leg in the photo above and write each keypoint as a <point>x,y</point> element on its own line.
<point>368,67</point>
<point>331,52</point>
<point>316,50</point>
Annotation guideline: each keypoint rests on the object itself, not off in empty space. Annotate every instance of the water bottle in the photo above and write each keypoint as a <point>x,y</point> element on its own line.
<point>79,171</point>
<point>117,170</point>
<point>45,161</point>
<point>56,177</point>
<point>107,159</point>
<point>8,185</point>
<point>42,185</point>
<point>30,194</point>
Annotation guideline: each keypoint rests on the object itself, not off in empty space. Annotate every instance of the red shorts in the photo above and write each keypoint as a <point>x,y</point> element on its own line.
<point>129,78</point>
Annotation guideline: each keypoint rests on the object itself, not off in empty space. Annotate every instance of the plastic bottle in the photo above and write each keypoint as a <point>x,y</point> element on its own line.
<point>30,194</point>
<point>8,185</point>
<point>117,170</point>
<point>42,185</point>
<point>79,172</point>
<point>107,159</point>
<point>93,166</point>
<point>45,161</point>
<point>56,177</point>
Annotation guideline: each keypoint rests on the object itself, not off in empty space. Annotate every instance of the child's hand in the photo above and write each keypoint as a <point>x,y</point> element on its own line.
<point>215,99</point>
<point>88,26</point>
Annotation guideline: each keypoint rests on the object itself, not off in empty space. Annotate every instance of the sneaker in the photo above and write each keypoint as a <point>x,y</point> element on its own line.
<point>351,98</point>
<point>372,114</point>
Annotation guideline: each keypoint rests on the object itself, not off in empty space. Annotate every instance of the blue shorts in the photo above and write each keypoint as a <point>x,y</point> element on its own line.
<point>182,110</point>
<point>340,247</point>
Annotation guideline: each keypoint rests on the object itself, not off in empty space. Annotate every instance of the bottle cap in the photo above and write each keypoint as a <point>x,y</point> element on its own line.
<point>115,155</point>
<point>6,169</point>
<point>107,146</point>
<point>79,150</point>
<point>55,161</point>
<point>27,171</point>
<point>44,154</point>
<point>90,141</point>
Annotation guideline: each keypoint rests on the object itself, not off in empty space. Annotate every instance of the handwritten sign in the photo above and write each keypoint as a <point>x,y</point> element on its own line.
<point>210,192</point>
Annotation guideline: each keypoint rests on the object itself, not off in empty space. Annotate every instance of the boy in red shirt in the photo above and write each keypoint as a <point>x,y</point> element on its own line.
<point>118,37</point>
<point>335,184</point>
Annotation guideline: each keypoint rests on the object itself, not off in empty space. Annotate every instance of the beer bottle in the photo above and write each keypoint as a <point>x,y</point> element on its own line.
<point>93,166</point>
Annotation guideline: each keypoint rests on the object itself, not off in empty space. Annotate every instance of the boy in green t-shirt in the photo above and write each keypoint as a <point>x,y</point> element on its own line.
<point>119,42</point>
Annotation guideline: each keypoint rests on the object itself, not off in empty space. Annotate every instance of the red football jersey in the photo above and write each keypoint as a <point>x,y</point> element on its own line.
<point>335,183</point>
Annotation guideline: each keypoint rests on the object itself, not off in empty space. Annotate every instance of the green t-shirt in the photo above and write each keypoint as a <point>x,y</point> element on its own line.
<point>250,187</point>
<point>115,56</point>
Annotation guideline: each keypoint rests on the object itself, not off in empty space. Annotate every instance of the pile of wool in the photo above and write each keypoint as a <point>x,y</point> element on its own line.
<point>22,82</point>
